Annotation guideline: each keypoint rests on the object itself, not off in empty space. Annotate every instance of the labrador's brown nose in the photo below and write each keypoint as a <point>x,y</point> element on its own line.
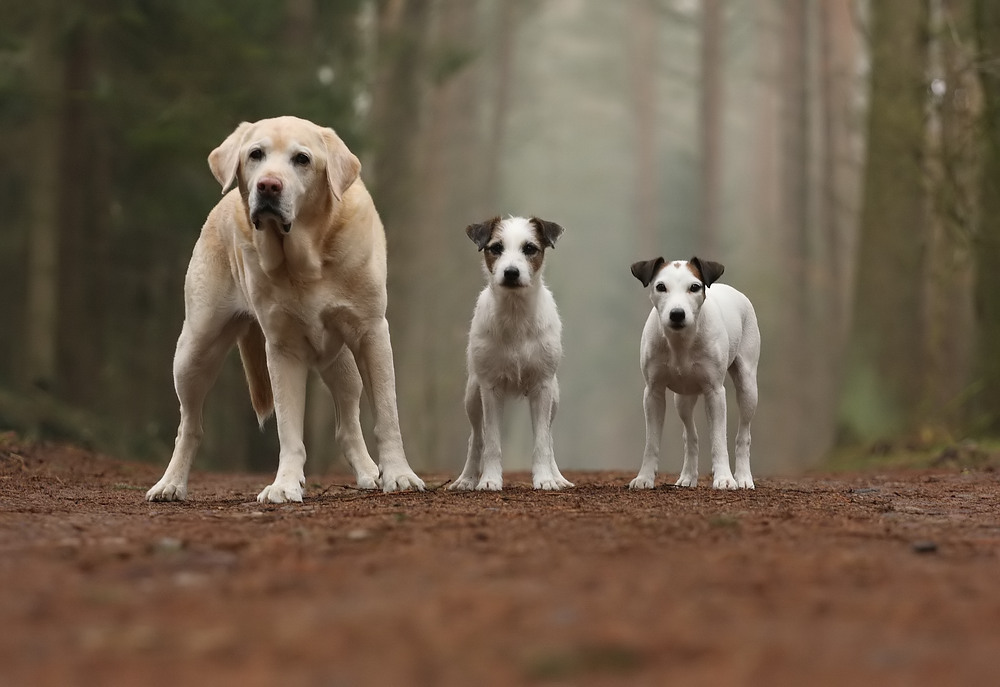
<point>269,187</point>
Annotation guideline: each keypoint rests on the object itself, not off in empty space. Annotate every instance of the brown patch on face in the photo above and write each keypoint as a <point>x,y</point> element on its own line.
<point>695,271</point>
<point>538,257</point>
<point>706,270</point>
<point>489,256</point>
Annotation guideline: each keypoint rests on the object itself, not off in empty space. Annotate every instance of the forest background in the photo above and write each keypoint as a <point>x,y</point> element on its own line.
<point>840,157</point>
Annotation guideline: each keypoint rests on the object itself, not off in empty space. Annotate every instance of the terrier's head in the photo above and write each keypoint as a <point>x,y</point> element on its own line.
<point>679,287</point>
<point>514,249</point>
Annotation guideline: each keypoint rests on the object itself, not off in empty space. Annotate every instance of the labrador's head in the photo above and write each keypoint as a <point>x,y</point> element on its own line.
<point>285,168</point>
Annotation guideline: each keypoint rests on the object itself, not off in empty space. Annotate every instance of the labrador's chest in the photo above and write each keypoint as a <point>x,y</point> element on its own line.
<point>309,318</point>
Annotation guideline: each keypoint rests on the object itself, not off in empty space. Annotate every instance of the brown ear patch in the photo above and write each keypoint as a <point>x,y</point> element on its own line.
<point>548,232</point>
<point>706,270</point>
<point>645,270</point>
<point>481,232</point>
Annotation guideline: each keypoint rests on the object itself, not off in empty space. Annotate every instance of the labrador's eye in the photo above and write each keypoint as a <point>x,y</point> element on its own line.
<point>695,288</point>
<point>529,249</point>
<point>496,248</point>
<point>301,159</point>
<point>256,154</point>
<point>661,287</point>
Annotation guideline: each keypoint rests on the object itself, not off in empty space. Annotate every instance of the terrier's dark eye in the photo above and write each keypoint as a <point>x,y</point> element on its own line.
<point>496,248</point>
<point>529,249</point>
<point>695,288</point>
<point>256,154</point>
<point>661,287</point>
<point>301,159</point>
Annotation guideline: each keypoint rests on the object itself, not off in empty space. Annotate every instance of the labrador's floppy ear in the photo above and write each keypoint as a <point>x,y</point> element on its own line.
<point>481,232</point>
<point>710,271</point>
<point>224,161</point>
<point>645,270</point>
<point>549,231</point>
<point>342,166</point>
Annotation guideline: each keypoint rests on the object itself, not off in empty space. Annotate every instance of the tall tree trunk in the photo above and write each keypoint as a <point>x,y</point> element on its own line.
<point>986,244</point>
<point>643,54</point>
<point>84,218</point>
<point>41,312</point>
<point>951,168</point>
<point>456,195</point>
<point>838,54</point>
<point>397,123</point>
<point>883,382</point>
<point>500,100</point>
<point>835,194</point>
<point>712,39</point>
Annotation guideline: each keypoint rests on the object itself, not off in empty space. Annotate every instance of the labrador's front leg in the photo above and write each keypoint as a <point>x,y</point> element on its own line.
<point>374,356</point>
<point>288,381</point>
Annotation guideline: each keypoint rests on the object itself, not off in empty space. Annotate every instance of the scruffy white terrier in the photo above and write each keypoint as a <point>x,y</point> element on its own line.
<point>515,345</point>
<point>693,336</point>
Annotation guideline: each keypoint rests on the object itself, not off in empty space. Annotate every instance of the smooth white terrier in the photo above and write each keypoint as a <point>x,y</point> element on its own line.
<point>515,345</point>
<point>692,337</point>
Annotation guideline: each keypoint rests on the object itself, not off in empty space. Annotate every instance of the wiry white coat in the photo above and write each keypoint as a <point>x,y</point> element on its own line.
<point>515,345</point>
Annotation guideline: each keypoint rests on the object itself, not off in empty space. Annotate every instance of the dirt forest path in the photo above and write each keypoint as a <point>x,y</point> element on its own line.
<point>882,577</point>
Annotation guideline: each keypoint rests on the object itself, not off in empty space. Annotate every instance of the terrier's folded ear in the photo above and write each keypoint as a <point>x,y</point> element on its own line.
<point>708,271</point>
<point>481,232</point>
<point>645,270</point>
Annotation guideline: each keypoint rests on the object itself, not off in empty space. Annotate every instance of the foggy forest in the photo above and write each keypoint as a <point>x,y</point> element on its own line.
<point>841,158</point>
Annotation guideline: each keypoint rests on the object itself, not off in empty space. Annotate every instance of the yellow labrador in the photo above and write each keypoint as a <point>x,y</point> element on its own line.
<point>291,266</point>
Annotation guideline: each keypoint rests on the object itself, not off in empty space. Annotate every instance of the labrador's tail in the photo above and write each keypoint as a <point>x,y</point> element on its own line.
<point>254,358</point>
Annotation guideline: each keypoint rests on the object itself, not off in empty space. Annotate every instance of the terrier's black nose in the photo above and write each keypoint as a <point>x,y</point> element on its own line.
<point>511,275</point>
<point>677,315</point>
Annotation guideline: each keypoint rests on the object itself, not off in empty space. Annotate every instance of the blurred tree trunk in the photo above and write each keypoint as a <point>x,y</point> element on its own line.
<point>84,220</point>
<point>397,120</point>
<point>952,178</point>
<point>798,335</point>
<point>836,200</point>
<point>643,54</point>
<point>500,100</point>
<point>883,378</point>
<point>42,292</point>
<point>453,170</point>
<point>710,117</point>
<point>766,193</point>
<point>841,164</point>
<point>986,242</point>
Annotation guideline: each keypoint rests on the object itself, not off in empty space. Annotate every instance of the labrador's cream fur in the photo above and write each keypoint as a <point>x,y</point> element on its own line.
<point>291,266</point>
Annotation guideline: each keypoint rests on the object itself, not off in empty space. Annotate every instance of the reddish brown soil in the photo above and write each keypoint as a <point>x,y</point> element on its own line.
<point>875,578</point>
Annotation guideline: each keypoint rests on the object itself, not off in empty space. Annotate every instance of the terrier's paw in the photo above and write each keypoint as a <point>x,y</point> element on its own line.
<point>724,481</point>
<point>642,482</point>
<point>167,491</point>
<point>550,482</point>
<point>401,480</point>
<point>687,481</point>
<point>463,484</point>
<point>744,482</point>
<point>490,483</point>
<point>281,492</point>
